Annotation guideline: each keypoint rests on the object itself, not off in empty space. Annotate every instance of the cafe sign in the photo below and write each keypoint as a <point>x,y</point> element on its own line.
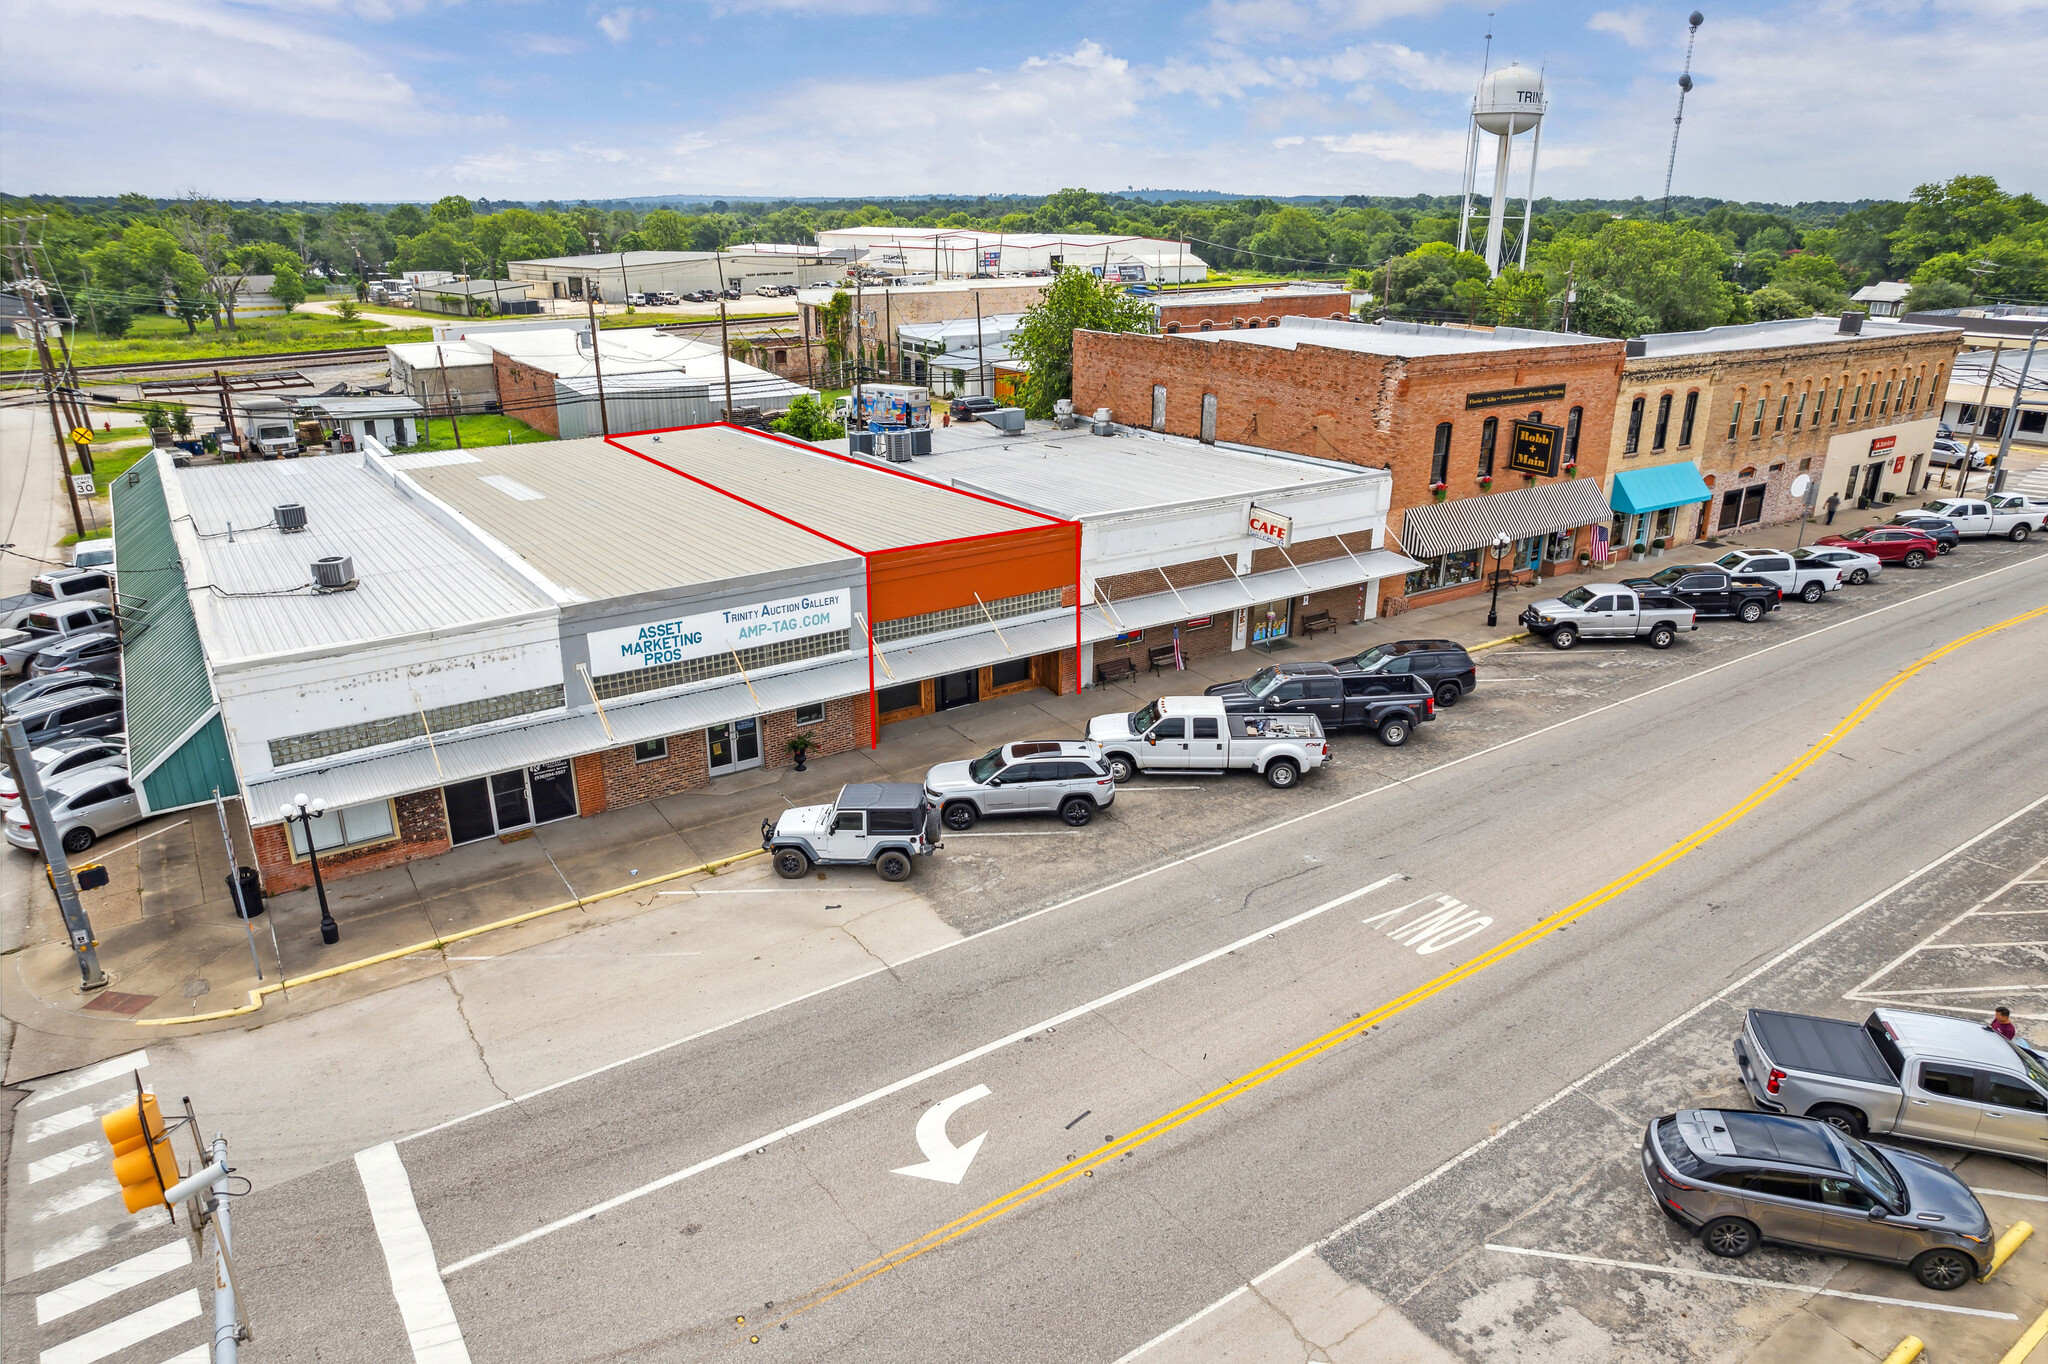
<point>728,630</point>
<point>1535,449</point>
<point>1271,527</point>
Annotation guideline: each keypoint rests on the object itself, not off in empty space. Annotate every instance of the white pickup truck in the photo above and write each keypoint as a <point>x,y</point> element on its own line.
<point>1981,517</point>
<point>1194,734</point>
<point>1806,579</point>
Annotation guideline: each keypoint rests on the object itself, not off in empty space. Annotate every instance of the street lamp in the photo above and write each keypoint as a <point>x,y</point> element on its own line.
<point>1501,542</point>
<point>304,812</point>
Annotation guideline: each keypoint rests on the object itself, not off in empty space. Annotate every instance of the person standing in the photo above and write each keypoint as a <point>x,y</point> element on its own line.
<point>1834,501</point>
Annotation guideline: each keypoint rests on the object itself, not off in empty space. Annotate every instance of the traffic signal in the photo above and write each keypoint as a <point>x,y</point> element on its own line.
<point>143,1163</point>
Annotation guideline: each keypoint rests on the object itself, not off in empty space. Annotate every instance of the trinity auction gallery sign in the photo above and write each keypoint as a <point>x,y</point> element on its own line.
<point>718,632</point>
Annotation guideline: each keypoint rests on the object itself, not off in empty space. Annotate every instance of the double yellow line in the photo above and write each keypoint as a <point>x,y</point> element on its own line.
<point>1086,1165</point>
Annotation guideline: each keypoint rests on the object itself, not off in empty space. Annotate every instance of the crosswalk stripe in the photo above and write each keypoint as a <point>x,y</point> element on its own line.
<point>138,1269</point>
<point>423,1304</point>
<point>71,1247</point>
<point>91,1075</point>
<point>120,1334</point>
<point>43,1128</point>
<point>49,1167</point>
<point>71,1200</point>
<point>198,1354</point>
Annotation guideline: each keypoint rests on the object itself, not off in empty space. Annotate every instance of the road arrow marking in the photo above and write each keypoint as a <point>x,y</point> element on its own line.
<point>944,1161</point>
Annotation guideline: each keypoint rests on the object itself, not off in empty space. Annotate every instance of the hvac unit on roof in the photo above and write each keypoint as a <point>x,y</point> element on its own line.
<point>335,573</point>
<point>897,446</point>
<point>290,517</point>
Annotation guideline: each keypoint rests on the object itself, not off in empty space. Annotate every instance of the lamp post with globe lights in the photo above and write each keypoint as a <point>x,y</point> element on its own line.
<point>304,812</point>
<point>1500,556</point>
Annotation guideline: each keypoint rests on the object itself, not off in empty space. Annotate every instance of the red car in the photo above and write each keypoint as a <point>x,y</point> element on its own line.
<point>1888,544</point>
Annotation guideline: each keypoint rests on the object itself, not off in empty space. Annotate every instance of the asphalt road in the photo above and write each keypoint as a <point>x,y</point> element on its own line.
<point>1219,1035</point>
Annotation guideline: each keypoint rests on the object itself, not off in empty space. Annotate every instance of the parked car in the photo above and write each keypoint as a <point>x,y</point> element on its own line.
<point>52,624</point>
<point>66,584</point>
<point>1982,516</point>
<point>81,712</point>
<point>2032,503</point>
<point>1390,705</point>
<point>1888,544</point>
<point>1899,1073</point>
<point>85,805</point>
<point>1711,590</point>
<point>967,409</point>
<point>884,825</point>
<point>94,554</point>
<point>1801,578</point>
<point>97,653</point>
<point>1944,533</point>
<point>1193,734</point>
<point>1044,777</point>
<point>1740,1179</point>
<point>1857,567</point>
<point>636,300</point>
<point>1442,663</point>
<point>1609,611</point>
<point>1948,455</point>
<point>63,757</point>
<point>22,693</point>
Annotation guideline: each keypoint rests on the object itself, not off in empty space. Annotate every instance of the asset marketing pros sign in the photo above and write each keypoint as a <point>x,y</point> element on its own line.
<point>716,632</point>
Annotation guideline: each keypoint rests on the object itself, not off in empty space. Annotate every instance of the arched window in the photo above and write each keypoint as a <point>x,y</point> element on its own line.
<point>1489,433</point>
<point>1915,402</point>
<point>1835,414</point>
<point>1692,407</point>
<point>1799,417</point>
<point>1172,327</point>
<point>1635,427</point>
<point>1237,324</point>
<point>1440,458</point>
<point>1735,412</point>
<point>1208,324</point>
<point>1884,404</point>
<point>1663,422</point>
<point>1272,321</point>
<point>1756,423</point>
<point>1253,323</point>
<point>1784,401</point>
<point>1571,434</point>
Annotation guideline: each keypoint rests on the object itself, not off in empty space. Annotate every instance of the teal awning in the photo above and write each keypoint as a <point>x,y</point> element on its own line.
<point>1666,485</point>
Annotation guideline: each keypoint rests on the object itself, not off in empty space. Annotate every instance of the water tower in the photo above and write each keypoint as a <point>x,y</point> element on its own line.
<point>1509,102</point>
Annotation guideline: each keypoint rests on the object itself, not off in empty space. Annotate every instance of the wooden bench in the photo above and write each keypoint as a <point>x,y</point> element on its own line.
<point>1115,670</point>
<point>1158,656</point>
<point>1316,621</point>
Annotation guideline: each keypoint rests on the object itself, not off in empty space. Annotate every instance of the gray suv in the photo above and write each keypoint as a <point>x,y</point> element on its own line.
<point>1740,1179</point>
<point>1041,777</point>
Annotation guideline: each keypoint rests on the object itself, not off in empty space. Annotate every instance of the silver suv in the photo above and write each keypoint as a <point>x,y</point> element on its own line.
<point>1029,778</point>
<point>1740,1179</point>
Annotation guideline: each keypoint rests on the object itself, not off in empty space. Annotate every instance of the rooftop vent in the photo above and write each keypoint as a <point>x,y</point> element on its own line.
<point>1008,420</point>
<point>1634,348</point>
<point>290,516</point>
<point>335,573</point>
<point>1852,324</point>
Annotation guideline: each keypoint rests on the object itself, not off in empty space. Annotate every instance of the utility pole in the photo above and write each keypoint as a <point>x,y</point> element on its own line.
<point>2012,416</point>
<point>980,355</point>
<point>447,399</point>
<point>30,784</point>
<point>227,412</point>
<point>1571,294</point>
<point>604,417</point>
<point>1387,292</point>
<point>858,280</point>
<point>724,338</point>
<point>1984,414</point>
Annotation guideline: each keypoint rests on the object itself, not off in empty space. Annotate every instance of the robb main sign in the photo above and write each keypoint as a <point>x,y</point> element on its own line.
<point>1271,527</point>
<point>718,632</point>
<point>1535,449</point>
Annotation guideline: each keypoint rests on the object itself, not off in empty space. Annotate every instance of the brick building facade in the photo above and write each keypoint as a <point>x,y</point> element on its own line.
<point>1228,309</point>
<point>526,394</point>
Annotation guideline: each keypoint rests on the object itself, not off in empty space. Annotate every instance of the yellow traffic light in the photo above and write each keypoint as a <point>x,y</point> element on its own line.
<point>143,1162</point>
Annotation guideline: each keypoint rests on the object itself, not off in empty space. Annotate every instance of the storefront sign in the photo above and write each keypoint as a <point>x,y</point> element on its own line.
<point>1535,449</point>
<point>1883,443</point>
<point>1514,397</point>
<point>1899,465</point>
<point>717,632</point>
<point>1271,527</point>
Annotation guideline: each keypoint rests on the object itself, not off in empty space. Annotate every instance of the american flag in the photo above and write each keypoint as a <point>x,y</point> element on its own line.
<point>1180,661</point>
<point>1599,544</point>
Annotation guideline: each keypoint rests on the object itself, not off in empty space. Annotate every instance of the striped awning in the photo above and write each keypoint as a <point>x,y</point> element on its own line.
<point>1469,522</point>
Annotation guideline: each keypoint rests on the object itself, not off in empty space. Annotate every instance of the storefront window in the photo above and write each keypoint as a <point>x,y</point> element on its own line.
<point>1271,620</point>
<point>1664,520</point>
<point>1558,546</point>
<point>348,827</point>
<point>1446,570</point>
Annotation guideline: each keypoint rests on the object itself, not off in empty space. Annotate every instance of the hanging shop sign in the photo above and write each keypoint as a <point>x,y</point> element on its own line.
<point>1535,449</point>
<point>1272,527</point>
<point>1514,397</point>
<point>716,632</point>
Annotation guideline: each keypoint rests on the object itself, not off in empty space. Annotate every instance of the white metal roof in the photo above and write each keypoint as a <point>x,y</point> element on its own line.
<point>1885,291</point>
<point>251,593</point>
<point>1789,331</point>
<point>1406,339</point>
<point>387,406</point>
<point>429,355</point>
<point>1099,622</point>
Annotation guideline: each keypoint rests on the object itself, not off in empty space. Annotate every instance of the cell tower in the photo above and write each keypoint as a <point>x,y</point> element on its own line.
<point>1684,88</point>
<point>1508,103</point>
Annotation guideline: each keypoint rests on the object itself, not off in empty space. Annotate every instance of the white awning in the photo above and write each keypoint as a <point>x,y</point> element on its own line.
<point>1436,528</point>
<point>1101,622</point>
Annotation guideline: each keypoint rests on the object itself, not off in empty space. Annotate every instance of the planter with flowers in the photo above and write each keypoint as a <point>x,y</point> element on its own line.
<point>1437,490</point>
<point>800,746</point>
<point>1571,470</point>
<point>1485,481</point>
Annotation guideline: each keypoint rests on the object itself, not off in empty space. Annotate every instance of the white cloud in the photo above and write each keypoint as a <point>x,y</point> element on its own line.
<point>618,24</point>
<point>1266,20</point>
<point>1428,150</point>
<point>546,44</point>
<point>1631,26</point>
<point>1284,142</point>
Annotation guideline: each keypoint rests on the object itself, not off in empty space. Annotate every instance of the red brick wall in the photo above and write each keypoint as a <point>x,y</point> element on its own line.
<point>590,793</point>
<point>1190,316</point>
<point>422,832</point>
<point>840,732</point>
<point>687,767</point>
<point>527,394</point>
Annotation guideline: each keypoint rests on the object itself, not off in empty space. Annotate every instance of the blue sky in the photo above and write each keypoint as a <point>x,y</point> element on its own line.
<point>411,99</point>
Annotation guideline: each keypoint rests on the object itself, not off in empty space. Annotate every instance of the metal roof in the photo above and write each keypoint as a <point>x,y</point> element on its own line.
<point>1404,339</point>
<point>605,524</point>
<point>1788,331</point>
<point>856,502</point>
<point>165,688</point>
<point>362,407</point>
<point>1214,599</point>
<point>413,575</point>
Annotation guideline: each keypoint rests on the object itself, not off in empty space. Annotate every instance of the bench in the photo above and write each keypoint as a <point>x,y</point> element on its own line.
<point>1316,621</point>
<point>1115,670</point>
<point>1158,656</point>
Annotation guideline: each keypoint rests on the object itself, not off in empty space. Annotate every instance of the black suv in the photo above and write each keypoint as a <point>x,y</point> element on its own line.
<point>1943,532</point>
<point>967,409</point>
<point>1442,663</point>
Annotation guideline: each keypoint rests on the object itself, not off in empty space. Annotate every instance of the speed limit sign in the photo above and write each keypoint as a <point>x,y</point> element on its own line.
<point>82,484</point>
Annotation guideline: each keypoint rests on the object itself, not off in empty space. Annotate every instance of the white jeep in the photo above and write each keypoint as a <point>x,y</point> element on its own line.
<point>878,824</point>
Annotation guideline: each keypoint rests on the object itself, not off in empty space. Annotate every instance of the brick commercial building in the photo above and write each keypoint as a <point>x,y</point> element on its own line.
<point>884,311</point>
<point>1212,310</point>
<point>1712,428</point>
<point>1460,419</point>
<point>501,637</point>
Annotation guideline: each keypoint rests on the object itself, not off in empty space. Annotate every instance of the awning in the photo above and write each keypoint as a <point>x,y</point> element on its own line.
<point>1660,486</point>
<point>1436,528</point>
<point>1099,622</point>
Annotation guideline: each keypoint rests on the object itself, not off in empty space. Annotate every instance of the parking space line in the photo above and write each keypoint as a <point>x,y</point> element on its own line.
<point>1747,1282</point>
<point>2005,1193</point>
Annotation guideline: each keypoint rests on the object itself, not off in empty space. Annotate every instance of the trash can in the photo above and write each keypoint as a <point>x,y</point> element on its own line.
<point>251,902</point>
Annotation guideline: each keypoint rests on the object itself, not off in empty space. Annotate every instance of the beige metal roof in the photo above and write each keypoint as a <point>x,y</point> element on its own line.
<point>599,523</point>
<point>854,502</point>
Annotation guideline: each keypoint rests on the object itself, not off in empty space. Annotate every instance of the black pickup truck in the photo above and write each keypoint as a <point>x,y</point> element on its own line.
<point>1390,704</point>
<point>1711,590</point>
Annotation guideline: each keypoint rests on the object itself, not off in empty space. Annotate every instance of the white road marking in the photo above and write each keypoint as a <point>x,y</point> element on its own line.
<point>943,1161</point>
<point>2001,1193</point>
<point>907,1082</point>
<point>71,1200</point>
<point>1017,833</point>
<point>409,1255</point>
<point>91,1075</point>
<point>1720,996</point>
<point>71,1247</point>
<point>1747,1282</point>
<point>65,1161</point>
<point>99,853</point>
<point>1188,859</point>
<point>198,1354</point>
<point>43,1128</point>
<point>120,1334</point>
<point>137,1269</point>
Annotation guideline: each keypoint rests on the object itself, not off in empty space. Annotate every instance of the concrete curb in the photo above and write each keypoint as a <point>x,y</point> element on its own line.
<point>257,995</point>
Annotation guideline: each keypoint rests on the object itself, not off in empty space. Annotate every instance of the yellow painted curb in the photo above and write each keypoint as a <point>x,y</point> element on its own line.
<point>2015,1236</point>
<point>2024,1346</point>
<point>1906,1351</point>
<point>1496,643</point>
<point>257,995</point>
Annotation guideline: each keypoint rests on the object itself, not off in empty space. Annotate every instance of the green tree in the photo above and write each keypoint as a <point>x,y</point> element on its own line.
<point>807,419</point>
<point>1815,280</point>
<point>1076,301</point>
<point>288,286</point>
<point>1517,298</point>
<point>1597,310</point>
<point>145,266</point>
<point>1292,240</point>
<point>1936,294</point>
<point>406,220</point>
<point>1672,273</point>
<point>1963,212</point>
<point>1773,302</point>
<point>437,248</point>
<point>1424,282</point>
<point>453,210</point>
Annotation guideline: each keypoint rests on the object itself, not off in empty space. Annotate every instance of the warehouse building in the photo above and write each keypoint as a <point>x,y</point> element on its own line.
<point>962,253</point>
<point>610,276</point>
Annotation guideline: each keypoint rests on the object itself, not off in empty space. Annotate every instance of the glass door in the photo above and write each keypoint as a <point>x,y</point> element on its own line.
<point>508,801</point>
<point>1271,620</point>
<point>734,746</point>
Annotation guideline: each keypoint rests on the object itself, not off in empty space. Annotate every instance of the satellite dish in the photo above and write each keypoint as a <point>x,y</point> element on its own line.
<point>1800,485</point>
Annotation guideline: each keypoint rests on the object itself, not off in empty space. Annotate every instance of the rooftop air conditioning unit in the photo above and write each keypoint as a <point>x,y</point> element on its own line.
<point>334,573</point>
<point>291,517</point>
<point>897,446</point>
<point>1008,420</point>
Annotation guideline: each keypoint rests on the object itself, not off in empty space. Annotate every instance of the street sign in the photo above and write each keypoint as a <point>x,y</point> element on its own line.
<point>83,485</point>
<point>81,435</point>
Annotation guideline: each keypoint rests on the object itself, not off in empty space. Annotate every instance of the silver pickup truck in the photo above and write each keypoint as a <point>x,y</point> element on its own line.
<point>1609,611</point>
<point>1926,1076</point>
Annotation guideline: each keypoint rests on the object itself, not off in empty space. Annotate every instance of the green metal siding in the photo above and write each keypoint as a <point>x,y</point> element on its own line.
<point>194,769</point>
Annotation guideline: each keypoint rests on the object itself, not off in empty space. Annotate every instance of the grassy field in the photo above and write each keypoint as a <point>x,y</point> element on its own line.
<point>483,428</point>
<point>155,339</point>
